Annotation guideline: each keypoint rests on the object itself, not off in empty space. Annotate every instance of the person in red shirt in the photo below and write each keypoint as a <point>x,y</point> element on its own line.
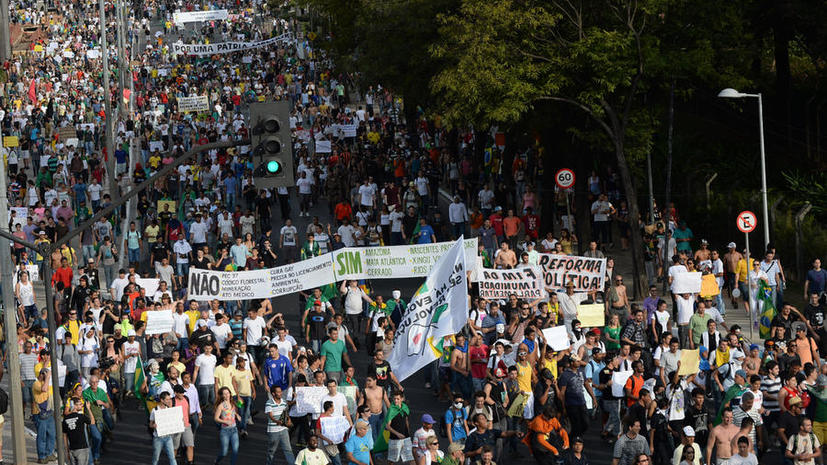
<point>63,274</point>
<point>496,219</point>
<point>343,211</point>
<point>511,227</point>
<point>531,222</point>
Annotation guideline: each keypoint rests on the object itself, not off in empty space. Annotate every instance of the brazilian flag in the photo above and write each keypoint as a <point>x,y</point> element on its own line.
<point>381,444</point>
<point>140,378</point>
<point>768,312</point>
<point>415,233</point>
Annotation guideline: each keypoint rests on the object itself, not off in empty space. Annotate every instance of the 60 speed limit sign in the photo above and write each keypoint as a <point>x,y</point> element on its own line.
<point>564,178</point>
<point>746,221</point>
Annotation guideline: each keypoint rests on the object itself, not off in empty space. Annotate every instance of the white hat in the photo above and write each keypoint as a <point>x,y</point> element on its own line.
<point>131,333</point>
<point>731,245</point>
<point>688,431</point>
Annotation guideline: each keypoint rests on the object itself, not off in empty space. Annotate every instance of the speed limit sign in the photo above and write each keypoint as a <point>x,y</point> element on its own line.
<point>746,221</point>
<point>564,178</point>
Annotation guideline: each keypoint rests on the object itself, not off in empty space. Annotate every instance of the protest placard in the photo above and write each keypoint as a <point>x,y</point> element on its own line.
<point>689,362</point>
<point>168,421</point>
<point>156,145</point>
<point>587,274</point>
<point>709,286</point>
<point>10,141</point>
<point>524,282</point>
<point>557,338</point>
<point>686,283</point>
<point>163,204</point>
<point>150,284</point>
<point>323,146</point>
<point>619,379</point>
<point>334,428</point>
<point>309,399</point>
<point>158,322</point>
<point>181,17</point>
<point>195,103</point>
<point>67,132</point>
<point>591,315</point>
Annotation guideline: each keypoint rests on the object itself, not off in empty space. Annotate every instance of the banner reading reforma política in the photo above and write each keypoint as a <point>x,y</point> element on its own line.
<point>526,282</point>
<point>181,17</point>
<point>587,274</point>
<point>401,261</point>
<point>224,47</point>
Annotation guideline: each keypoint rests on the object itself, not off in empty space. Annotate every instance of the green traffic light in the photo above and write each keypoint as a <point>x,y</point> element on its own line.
<point>273,166</point>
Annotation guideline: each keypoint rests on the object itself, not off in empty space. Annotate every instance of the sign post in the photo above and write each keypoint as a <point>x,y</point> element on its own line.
<point>565,180</point>
<point>746,224</point>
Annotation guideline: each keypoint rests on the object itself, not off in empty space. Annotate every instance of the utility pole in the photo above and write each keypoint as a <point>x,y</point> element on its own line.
<point>5,35</point>
<point>123,60</point>
<point>107,101</point>
<point>18,434</point>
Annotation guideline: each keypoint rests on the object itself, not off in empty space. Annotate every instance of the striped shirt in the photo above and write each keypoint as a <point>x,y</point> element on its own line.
<point>27,363</point>
<point>738,415</point>
<point>771,387</point>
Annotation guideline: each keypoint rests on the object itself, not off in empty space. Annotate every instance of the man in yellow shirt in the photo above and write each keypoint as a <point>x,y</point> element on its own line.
<point>224,374</point>
<point>194,315</point>
<point>741,276</point>
<point>42,411</point>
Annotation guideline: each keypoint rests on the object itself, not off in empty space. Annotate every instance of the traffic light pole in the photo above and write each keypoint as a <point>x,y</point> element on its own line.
<point>45,250</point>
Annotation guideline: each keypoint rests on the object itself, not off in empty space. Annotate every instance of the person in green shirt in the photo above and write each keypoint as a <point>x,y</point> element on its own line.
<point>310,248</point>
<point>333,353</point>
<point>683,238</point>
<point>697,325</point>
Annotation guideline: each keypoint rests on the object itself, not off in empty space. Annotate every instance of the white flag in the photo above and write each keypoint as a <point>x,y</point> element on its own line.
<point>439,308</point>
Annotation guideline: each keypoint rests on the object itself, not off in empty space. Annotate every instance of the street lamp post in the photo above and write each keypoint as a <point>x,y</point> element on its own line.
<point>732,93</point>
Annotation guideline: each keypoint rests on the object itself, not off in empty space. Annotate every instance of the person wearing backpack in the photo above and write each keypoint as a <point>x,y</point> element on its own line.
<point>455,424</point>
<point>803,448</point>
<point>546,437</point>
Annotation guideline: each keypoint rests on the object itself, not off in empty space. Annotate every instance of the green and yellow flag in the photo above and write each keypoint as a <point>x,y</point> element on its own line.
<point>768,312</point>
<point>140,377</point>
<point>381,444</point>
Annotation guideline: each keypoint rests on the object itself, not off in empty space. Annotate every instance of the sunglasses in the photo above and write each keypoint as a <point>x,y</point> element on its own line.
<point>522,353</point>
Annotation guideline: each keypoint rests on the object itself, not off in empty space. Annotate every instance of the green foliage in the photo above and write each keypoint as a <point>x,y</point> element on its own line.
<point>810,187</point>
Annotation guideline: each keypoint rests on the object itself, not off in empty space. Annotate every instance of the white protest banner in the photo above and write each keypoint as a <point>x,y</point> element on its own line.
<point>181,17</point>
<point>438,308</point>
<point>345,130</point>
<point>20,215</point>
<point>309,399</point>
<point>525,282</point>
<point>225,47</point>
<point>150,284</point>
<point>396,261</point>
<point>619,379</point>
<point>401,261</point>
<point>156,145</point>
<point>93,54</point>
<point>168,421</point>
<point>323,146</point>
<point>686,283</point>
<point>587,274</point>
<point>158,322</point>
<point>196,103</point>
<point>334,428</point>
<point>34,272</point>
<point>557,338</point>
<point>261,284</point>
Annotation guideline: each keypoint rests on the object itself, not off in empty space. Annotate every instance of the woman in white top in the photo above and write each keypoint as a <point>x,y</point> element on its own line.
<point>432,453</point>
<point>24,291</point>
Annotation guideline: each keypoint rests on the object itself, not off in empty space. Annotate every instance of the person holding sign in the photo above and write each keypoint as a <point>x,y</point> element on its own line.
<point>160,443</point>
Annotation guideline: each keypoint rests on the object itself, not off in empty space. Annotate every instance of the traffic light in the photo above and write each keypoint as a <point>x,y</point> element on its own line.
<point>272,146</point>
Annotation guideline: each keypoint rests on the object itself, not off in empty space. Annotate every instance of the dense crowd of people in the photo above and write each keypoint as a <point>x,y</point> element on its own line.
<point>508,391</point>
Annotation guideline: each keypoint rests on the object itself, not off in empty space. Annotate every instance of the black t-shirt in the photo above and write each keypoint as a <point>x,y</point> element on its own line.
<point>789,422</point>
<point>381,371</point>
<point>159,251</point>
<point>109,322</point>
<point>202,337</point>
<point>74,426</point>
<point>476,440</point>
<point>604,377</point>
<point>318,324</point>
<point>638,412</point>
<point>787,323</point>
<point>400,425</point>
<point>699,418</point>
<point>201,263</point>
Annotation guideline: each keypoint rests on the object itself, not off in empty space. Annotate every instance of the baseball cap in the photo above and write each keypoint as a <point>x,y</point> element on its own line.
<point>741,373</point>
<point>688,431</point>
<point>131,333</point>
<point>799,326</point>
<point>318,302</point>
<point>731,245</point>
<point>753,346</point>
<point>427,418</point>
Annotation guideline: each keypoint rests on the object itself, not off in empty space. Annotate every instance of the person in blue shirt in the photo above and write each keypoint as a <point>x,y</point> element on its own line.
<point>426,233</point>
<point>277,369</point>
<point>456,417</point>
<point>231,187</point>
<point>359,445</point>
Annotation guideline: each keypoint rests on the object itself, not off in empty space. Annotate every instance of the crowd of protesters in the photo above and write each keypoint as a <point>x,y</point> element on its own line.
<point>508,392</point>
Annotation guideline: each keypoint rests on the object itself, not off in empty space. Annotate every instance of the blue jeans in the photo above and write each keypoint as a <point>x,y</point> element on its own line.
<point>134,255</point>
<point>95,442</point>
<point>88,251</point>
<point>206,394</point>
<point>183,343</point>
<point>229,443</point>
<point>245,412</point>
<point>183,269</point>
<point>612,407</point>
<point>375,421</point>
<point>276,441</point>
<point>45,435</point>
<point>459,229</point>
<point>163,444</point>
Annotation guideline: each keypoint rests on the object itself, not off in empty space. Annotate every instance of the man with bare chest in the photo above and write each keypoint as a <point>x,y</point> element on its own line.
<point>375,397</point>
<point>731,259</point>
<point>720,439</point>
<point>618,300</point>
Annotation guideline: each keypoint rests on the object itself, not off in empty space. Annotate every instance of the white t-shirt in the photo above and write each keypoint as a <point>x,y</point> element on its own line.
<point>366,194</point>
<point>255,329</point>
<point>737,459</point>
<point>180,323</point>
<point>601,210</point>
<point>485,197</point>
<point>718,267</point>
<point>198,232</point>
<point>353,301</point>
<point>305,185</point>
<point>686,307</point>
<point>339,403</point>
<point>285,347</point>
<point>288,234</point>
<point>119,284</point>
<point>130,348</point>
<point>221,332</point>
<point>347,231</point>
<point>396,221</point>
<point>421,185</point>
<point>206,368</point>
